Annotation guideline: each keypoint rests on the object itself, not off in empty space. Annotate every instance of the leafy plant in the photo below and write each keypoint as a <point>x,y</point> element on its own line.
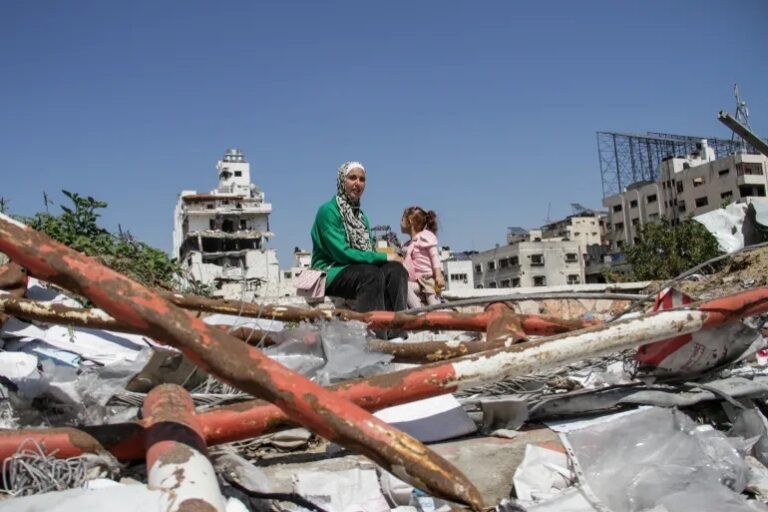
<point>664,250</point>
<point>77,227</point>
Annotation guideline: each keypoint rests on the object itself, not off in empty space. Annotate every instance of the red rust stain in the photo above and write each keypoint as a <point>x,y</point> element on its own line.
<point>196,505</point>
<point>177,454</point>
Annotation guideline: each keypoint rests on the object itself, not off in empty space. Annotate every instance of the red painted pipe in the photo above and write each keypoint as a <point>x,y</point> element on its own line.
<point>255,417</point>
<point>234,362</point>
<point>176,452</point>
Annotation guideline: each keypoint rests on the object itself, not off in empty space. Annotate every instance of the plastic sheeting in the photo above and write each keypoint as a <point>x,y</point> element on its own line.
<point>661,458</point>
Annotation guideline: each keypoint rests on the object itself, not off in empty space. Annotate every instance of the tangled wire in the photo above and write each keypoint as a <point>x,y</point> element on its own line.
<point>30,471</point>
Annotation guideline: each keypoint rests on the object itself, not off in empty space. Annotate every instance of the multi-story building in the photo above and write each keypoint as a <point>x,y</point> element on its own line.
<point>221,237</point>
<point>534,261</point>
<point>585,228</point>
<point>687,186</point>
<point>457,269</point>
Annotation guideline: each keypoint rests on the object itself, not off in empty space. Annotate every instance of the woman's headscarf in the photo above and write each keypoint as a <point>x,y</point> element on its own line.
<point>354,225</point>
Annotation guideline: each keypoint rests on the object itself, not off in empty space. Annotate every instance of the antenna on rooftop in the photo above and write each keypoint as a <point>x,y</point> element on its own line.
<point>578,208</point>
<point>742,114</point>
<point>549,208</point>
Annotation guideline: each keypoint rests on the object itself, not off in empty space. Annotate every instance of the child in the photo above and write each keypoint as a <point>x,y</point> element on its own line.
<point>421,259</point>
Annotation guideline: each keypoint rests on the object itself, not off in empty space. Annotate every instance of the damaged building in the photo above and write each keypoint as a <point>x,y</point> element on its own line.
<point>221,237</point>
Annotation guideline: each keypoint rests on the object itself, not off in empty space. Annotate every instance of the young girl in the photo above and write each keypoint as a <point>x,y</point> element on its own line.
<point>421,259</point>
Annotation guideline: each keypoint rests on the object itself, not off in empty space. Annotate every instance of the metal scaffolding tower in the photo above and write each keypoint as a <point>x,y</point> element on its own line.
<point>627,158</point>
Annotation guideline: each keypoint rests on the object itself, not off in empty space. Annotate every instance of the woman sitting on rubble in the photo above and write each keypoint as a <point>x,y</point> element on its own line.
<point>421,260</point>
<point>342,247</point>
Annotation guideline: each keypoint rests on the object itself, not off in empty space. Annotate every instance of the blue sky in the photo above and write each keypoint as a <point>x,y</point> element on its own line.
<point>485,112</point>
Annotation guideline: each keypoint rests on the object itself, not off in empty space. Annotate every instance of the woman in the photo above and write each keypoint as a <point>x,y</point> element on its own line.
<point>342,247</point>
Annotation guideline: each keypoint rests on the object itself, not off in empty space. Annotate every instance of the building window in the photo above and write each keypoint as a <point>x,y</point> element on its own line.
<point>537,260</point>
<point>459,277</point>
<point>503,263</point>
<point>573,279</point>
<point>727,195</point>
<point>504,283</point>
<point>539,281</point>
<point>698,181</point>
<point>515,282</point>
<point>619,226</point>
<point>724,172</point>
<point>752,190</point>
<point>513,260</point>
<point>633,203</point>
<point>681,206</point>
<point>478,268</point>
<point>702,201</point>
<point>491,265</point>
<point>492,284</point>
<point>653,217</point>
<point>243,224</point>
<point>616,208</point>
<point>211,224</point>
<point>749,169</point>
<point>238,173</point>
<point>635,222</point>
<point>650,199</point>
<point>679,187</point>
<point>209,206</point>
<point>571,257</point>
<point>287,275</point>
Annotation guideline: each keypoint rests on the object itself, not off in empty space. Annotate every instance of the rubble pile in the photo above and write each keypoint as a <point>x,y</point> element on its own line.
<point>177,409</point>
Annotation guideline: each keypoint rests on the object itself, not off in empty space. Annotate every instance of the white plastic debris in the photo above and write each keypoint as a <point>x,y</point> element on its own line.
<point>654,457</point>
<point>346,352</point>
<point>542,475</point>
<point>726,225</point>
<point>430,420</point>
<point>235,321</point>
<point>21,370</point>
<point>117,498</point>
<point>352,490</point>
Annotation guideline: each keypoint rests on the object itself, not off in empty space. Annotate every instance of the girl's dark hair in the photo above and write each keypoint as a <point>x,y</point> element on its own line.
<point>420,219</point>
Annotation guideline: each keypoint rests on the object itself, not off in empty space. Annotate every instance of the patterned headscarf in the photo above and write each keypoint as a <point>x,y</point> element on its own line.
<point>354,225</point>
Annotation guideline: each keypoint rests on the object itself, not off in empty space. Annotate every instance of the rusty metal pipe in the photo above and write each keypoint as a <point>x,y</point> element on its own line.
<point>234,362</point>
<point>255,417</point>
<point>247,419</point>
<point>51,313</point>
<point>177,459</point>
<point>95,318</point>
<point>438,320</point>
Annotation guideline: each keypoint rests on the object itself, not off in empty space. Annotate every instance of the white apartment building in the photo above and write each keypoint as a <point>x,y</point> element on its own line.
<point>688,186</point>
<point>532,262</point>
<point>585,228</point>
<point>458,275</point>
<point>221,237</point>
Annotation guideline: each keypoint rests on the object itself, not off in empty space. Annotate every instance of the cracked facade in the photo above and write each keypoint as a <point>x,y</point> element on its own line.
<point>221,237</point>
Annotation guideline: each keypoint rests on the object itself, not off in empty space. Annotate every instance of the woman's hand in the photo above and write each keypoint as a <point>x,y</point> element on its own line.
<point>394,257</point>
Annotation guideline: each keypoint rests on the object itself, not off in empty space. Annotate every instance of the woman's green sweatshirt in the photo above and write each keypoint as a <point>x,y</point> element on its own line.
<point>330,249</point>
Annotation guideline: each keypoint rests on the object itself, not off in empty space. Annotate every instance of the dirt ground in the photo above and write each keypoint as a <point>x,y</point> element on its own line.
<point>743,271</point>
